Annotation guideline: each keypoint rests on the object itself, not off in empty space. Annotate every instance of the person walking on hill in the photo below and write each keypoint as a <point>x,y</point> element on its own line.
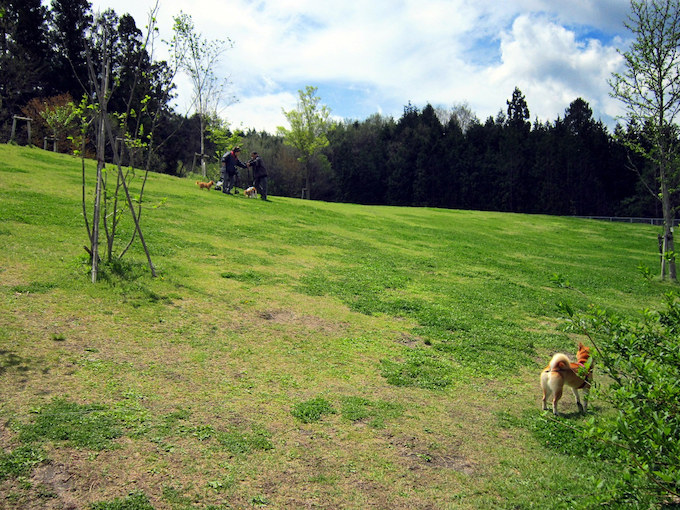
<point>259,174</point>
<point>229,171</point>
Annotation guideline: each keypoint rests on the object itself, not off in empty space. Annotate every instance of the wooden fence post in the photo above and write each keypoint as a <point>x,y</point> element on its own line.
<point>14,128</point>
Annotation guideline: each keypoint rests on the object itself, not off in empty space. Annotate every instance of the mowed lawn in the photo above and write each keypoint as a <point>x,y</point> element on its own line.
<point>290,353</point>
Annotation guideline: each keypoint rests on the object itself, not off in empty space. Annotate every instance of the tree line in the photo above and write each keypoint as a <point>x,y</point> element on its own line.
<point>571,166</point>
<point>446,158</point>
<point>428,157</point>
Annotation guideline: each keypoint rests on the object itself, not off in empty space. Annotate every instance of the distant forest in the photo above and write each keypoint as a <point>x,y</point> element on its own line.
<point>434,157</point>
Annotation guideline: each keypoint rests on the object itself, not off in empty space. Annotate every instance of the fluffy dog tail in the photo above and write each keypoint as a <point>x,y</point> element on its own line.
<point>559,362</point>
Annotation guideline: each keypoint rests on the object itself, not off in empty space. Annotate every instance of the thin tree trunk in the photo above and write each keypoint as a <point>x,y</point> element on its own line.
<point>94,247</point>
<point>101,146</point>
<point>668,256</point>
<point>87,223</point>
<point>668,266</point>
<point>131,205</point>
<point>137,226</point>
<point>203,171</point>
<point>97,201</point>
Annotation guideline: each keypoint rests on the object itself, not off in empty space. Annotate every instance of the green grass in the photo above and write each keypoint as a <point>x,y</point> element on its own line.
<point>312,410</point>
<point>83,426</point>
<point>134,501</point>
<point>293,353</point>
<point>20,461</point>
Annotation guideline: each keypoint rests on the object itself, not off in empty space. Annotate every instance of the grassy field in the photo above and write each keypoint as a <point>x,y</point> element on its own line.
<point>293,354</point>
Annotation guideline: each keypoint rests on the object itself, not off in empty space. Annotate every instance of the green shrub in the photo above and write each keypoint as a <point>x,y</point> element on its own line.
<point>641,357</point>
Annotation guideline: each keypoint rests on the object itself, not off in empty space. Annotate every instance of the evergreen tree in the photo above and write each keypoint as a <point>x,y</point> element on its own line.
<point>24,54</point>
<point>455,166</point>
<point>71,20</point>
<point>480,188</point>
<point>428,167</point>
<point>401,156</point>
<point>514,158</point>
<point>551,192</point>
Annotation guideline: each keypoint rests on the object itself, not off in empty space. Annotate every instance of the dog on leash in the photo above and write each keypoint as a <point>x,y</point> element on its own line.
<point>561,371</point>
<point>250,192</point>
<point>204,185</point>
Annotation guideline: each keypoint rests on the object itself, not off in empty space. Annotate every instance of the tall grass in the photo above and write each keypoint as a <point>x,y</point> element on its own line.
<point>294,353</point>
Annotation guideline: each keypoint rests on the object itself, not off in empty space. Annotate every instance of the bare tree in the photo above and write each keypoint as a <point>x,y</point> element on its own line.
<point>200,58</point>
<point>461,112</point>
<point>103,82</point>
<point>649,88</point>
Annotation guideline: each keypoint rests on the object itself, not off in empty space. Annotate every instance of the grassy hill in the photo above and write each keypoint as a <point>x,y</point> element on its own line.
<point>292,354</point>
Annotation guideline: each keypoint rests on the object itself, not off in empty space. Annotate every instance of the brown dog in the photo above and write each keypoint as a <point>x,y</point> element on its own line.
<point>205,185</point>
<point>561,371</point>
<point>250,192</point>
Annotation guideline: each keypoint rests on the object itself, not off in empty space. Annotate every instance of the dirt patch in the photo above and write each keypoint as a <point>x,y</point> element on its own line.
<point>282,316</point>
<point>410,340</point>
<point>421,454</point>
<point>5,437</point>
<point>57,485</point>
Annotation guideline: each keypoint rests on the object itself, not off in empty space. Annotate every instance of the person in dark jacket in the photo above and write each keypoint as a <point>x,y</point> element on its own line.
<point>229,172</point>
<point>259,174</point>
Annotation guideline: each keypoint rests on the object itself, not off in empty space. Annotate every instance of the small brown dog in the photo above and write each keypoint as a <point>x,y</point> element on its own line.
<point>561,371</point>
<point>206,185</point>
<point>250,192</point>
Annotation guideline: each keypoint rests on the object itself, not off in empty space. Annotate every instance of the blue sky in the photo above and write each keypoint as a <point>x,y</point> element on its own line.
<point>374,56</point>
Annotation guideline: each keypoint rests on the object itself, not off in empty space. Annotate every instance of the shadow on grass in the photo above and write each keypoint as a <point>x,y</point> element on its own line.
<point>9,359</point>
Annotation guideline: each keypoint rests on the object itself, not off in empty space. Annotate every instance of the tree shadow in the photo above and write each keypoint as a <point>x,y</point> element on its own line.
<point>9,359</point>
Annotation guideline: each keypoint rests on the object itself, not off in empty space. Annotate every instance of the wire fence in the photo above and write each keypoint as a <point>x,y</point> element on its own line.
<point>631,219</point>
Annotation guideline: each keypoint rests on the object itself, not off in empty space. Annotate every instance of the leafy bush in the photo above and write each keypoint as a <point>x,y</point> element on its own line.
<point>642,360</point>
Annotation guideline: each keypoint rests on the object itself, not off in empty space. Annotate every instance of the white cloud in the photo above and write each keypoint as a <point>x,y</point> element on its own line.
<point>552,67</point>
<point>262,112</point>
<point>376,56</point>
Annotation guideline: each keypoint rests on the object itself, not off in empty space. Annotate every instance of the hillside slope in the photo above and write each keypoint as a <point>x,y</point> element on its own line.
<point>290,353</point>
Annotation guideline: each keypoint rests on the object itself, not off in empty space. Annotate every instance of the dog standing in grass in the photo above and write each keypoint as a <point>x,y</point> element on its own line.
<point>561,371</point>
<point>204,185</point>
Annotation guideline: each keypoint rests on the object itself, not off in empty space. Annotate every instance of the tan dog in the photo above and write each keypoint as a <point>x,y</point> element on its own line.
<point>250,192</point>
<point>561,371</point>
<point>205,185</point>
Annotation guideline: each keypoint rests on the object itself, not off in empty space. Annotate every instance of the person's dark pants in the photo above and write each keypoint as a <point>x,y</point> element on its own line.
<point>261,186</point>
<point>229,183</point>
